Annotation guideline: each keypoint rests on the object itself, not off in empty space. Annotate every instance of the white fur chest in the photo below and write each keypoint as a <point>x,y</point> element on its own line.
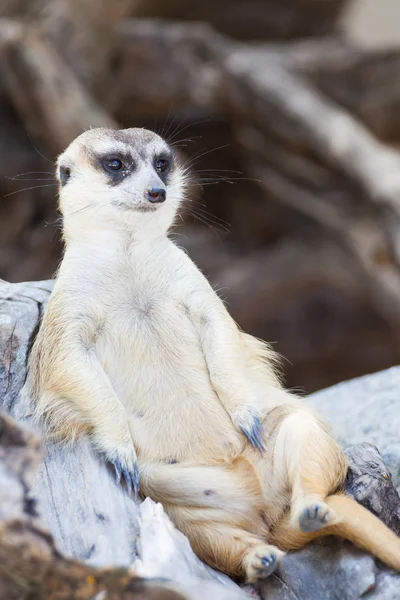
<point>151,352</point>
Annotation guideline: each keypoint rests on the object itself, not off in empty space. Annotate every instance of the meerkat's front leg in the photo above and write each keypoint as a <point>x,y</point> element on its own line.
<point>77,390</point>
<point>225,355</point>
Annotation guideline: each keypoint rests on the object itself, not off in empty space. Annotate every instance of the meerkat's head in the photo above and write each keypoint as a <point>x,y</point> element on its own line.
<point>126,180</point>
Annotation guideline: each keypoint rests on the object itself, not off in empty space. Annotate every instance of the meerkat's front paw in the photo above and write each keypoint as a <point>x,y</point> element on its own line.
<point>129,472</point>
<point>249,423</point>
<point>123,458</point>
<point>260,562</point>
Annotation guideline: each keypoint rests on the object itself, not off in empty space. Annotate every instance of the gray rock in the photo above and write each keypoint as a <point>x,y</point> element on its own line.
<point>333,569</point>
<point>366,409</point>
<point>370,483</point>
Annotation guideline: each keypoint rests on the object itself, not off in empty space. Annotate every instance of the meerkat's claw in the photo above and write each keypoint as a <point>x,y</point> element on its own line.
<point>255,434</point>
<point>118,470</point>
<point>131,476</point>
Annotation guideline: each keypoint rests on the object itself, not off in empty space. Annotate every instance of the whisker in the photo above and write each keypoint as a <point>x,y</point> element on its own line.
<point>81,209</point>
<point>31,173</point>
<point>219,179</point>
<point>170,135</point>
<point>214,219</point>
<point>98,206</point>
<point>206,222</point>
<point>30,178</point>
<point>204,183</point>
<point>164,127</point>
<point>192,124</point>
<point>169,125</point>
<point>38,151</point>
<point>216,170</point>
<point>35,187</point>
<point>197,157</point>
<point>192,140</point>
<point>57,222</point>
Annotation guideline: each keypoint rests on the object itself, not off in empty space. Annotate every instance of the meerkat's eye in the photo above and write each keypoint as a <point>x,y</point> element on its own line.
<point>113,164</point>
<point>64,175</point>
<point>162,165</point>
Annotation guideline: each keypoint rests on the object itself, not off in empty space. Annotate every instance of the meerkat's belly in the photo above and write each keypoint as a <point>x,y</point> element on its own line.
<point>153,358</point>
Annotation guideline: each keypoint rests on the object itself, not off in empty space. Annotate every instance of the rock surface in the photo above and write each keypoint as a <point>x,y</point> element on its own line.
<point>366,409</point>
<point>93,520</point>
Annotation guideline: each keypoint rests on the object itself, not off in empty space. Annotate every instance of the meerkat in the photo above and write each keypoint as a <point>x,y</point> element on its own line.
<point>139,353</point>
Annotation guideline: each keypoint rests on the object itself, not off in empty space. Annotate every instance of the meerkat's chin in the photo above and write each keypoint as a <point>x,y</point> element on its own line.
<point>145,209</point>
<point>142,208</point>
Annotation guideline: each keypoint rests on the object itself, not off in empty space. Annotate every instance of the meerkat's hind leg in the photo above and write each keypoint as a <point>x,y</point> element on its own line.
<point>316,467</point>
<point>220,509</point>
<point>220,539</point>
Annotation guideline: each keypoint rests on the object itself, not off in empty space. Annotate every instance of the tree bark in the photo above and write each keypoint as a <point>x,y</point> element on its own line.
<point>95,525</point>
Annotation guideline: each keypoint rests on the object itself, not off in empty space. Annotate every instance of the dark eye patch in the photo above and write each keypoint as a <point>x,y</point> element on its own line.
<point>163,164</point>
<point>116,166</point>
<point>64,175</point>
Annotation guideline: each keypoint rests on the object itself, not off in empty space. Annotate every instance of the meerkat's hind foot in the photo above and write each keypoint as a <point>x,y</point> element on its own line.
<point>312,514</point>
<point>261,561</point>
<point>130,475</point>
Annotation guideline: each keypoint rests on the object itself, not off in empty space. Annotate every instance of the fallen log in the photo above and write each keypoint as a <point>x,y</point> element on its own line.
<point>96,524</point>
<point>30,564</point>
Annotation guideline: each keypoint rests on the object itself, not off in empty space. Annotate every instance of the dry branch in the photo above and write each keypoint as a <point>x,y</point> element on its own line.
<point>253,19</point>
<point>53,105</point>
<point>81,30</point>
<point>296,127</point>
<point>365,82</point>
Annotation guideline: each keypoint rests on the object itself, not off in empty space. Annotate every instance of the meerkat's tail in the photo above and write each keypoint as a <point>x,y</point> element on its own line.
<point>354,523</point>
<point>365,530</point>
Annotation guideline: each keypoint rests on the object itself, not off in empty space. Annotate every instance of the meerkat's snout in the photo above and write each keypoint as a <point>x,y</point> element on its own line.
<point>156,195</point>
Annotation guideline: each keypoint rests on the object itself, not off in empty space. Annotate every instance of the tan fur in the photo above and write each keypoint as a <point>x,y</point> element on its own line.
<point>138,352</point>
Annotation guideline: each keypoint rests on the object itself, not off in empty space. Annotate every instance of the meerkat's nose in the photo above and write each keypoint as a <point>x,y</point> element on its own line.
<point>156,194</point>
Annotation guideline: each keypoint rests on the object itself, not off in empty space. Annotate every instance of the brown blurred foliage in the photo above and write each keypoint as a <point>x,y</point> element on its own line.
<point>296,127</point>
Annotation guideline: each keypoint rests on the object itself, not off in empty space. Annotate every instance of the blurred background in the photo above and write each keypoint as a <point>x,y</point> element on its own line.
<point>288,112</point>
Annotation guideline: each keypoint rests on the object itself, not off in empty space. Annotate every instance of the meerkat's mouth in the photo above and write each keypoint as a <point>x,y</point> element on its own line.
<point>144,208</point>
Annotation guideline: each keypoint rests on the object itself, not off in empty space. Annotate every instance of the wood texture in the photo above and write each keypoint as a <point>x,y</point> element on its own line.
<point>90,517</point>
<point>31,565</point>
<point>94,521</point>
<point>35,78</point>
